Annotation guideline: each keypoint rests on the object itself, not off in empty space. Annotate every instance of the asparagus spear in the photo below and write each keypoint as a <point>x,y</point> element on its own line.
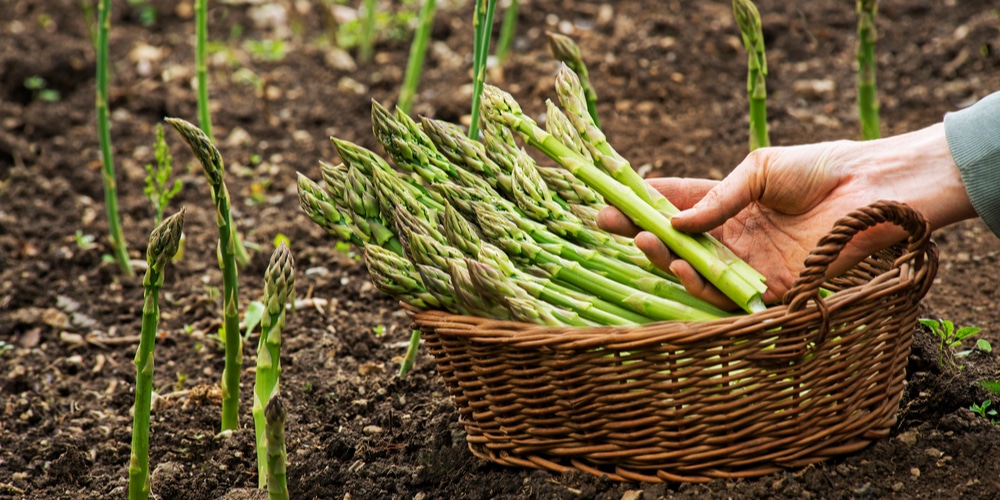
<point>397,276</point>
<point>316,203</point>
<point>211,162</point>
<point>566,50</point>
<point>163,244</point>
<point>472,298</point>
<point>279,285</point>
<point>368,162</point>
<point>748,19</point>
<point>867,96</point>
<point>274,413</point>
<point>496,287</point>
<point>519,246</point>
<point>714,261</point>
<point>462,151</point>
<point>411,354</point>
<point>560,126</point>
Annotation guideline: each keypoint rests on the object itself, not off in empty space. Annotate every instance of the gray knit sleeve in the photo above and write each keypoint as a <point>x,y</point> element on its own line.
<point>974,140</point>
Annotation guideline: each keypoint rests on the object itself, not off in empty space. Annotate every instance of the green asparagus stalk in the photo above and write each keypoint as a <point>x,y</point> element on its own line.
<point>211,162</point>
<point>411,354</point>
<point>483,28</point>
<point>562,128</point>
<point>459,232</point>
<point>496,287</point>
<point>568,52</point>
<point>587,306</point>
<point>471,297</point>
<point>748,19</point>
<point>279,286</point>
<point>398,277</point>
<point>366,47</point>
<point>520,247</point>
<point>277,485</point>
<point>118,244</point>
<point>714,261</point>
<point>438,284</point>
<point>367,161</point>
<point>163,244</point>
<point>466,153</point>
<point>868,106</point>
<point>507,30</point>
<point>417,50</point>
<point>317,204</point>
<point>569,188</point>
<point>201,69</point>
<point>361,203</point>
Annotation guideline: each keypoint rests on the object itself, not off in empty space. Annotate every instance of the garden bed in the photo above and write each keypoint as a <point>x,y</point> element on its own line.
<point>670,77</point>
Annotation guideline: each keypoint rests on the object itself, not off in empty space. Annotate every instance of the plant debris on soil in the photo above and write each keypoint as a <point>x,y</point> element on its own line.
<point>670,78</point>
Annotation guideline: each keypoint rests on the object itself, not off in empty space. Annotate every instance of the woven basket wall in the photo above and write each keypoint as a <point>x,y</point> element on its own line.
<point>674,401</point>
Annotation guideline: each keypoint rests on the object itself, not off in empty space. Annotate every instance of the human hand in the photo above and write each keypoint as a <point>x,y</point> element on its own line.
<point>776,205</point>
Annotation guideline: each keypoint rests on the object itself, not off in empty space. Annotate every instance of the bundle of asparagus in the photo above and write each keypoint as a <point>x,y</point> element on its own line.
<point>477,227</point>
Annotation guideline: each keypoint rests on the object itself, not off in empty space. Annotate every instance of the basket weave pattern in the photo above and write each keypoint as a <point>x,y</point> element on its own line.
<point>674,401</point>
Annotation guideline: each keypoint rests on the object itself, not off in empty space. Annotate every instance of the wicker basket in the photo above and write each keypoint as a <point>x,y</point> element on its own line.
<point>675,401</point>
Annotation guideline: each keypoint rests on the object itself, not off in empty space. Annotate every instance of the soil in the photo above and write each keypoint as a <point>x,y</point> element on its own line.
<point>671,81</point>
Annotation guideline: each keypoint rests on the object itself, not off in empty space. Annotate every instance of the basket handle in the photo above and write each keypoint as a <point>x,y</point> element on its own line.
<point>806,287</point>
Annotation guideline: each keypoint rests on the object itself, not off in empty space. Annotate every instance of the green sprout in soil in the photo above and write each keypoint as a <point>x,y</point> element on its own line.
<point>214,169</point>
<point>367,43</point>
<point>417,51</point>
<point>118,247</point>
<point>949,339</point>
<point>482,23</point>
<point>867,95</point>
<point>201,68</point>
<point>279,286</point>
<point>39,89</point>
<point>157,189</point>
<point>163,243</point>
<point>983,411</point>
<point>277,486</point>
<point>565,50</point>
<point>411,354</point>
<point>748,19</point>
<point>507,30</point>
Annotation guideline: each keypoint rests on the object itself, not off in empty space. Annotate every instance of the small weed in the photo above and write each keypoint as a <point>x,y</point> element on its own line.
<point>950,338</point>
<point>266,50</point>
<point>40,91</point>
<point>4,347</point>
<point>983,410</point>
<point>157,178</point>
<point>379,330</point>
<point>147,13</point>
<point>84,241</point>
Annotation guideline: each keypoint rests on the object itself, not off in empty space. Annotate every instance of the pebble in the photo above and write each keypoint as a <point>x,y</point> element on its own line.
<point>908,438</point>
<point>632,495</point>
<point>915,472</point>
<point>371,430</point>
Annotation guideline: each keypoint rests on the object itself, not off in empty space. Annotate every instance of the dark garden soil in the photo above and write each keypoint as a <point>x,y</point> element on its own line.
<point>671,82</point>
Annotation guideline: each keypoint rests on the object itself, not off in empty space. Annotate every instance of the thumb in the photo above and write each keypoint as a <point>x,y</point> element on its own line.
<point>725,200</point>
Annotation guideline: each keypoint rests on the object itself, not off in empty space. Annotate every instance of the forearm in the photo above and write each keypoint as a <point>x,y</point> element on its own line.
<point>973,137</point>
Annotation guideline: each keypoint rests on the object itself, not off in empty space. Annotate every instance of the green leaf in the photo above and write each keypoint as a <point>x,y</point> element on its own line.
<point>966,332</point>
<point>984,345</point>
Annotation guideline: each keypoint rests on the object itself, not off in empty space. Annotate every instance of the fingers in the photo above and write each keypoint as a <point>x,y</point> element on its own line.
<point>694,283</point>
<point>727,198</point>
<point>683,193</point>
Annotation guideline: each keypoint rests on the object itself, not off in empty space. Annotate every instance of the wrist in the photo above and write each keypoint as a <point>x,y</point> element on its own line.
<point>917,168</point>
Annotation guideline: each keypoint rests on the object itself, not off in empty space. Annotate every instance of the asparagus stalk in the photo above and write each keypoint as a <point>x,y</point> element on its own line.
<point>316,203</point>
<point>495,285</point>
<point>201,69</point>
<point>868,107</point>
<point>418,48</point>
<point>507,31</point>
<point>368,162</point>
<point>568,52</point>
<point>163,244</point>
<point>118,245</point>
<point>367,44</point>
<point>212,164</point>
<point>748,19</point>
<point>560,126</point>
<point>519,246</point>
<point>397,276</point>
<point>715,262</point>
<point>465,152</point>
<point>277,485</point>
<point>472,298</point>
<point>279,286</point>
<point>569,188</point>
<point>483,27</point>
<point>411,354</point>
<point>438,284</point>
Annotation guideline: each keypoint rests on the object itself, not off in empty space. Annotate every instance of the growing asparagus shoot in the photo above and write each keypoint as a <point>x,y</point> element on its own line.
<point>279,286</point>
<point>417,50</point>
<point>748,19</point>
<point>868,107</point>
<point>163,244</point>
<point>201,68</point>
<point>483,27</point>
<point>118,246</point>
<point>211,162</point>
<point>277,475</point>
